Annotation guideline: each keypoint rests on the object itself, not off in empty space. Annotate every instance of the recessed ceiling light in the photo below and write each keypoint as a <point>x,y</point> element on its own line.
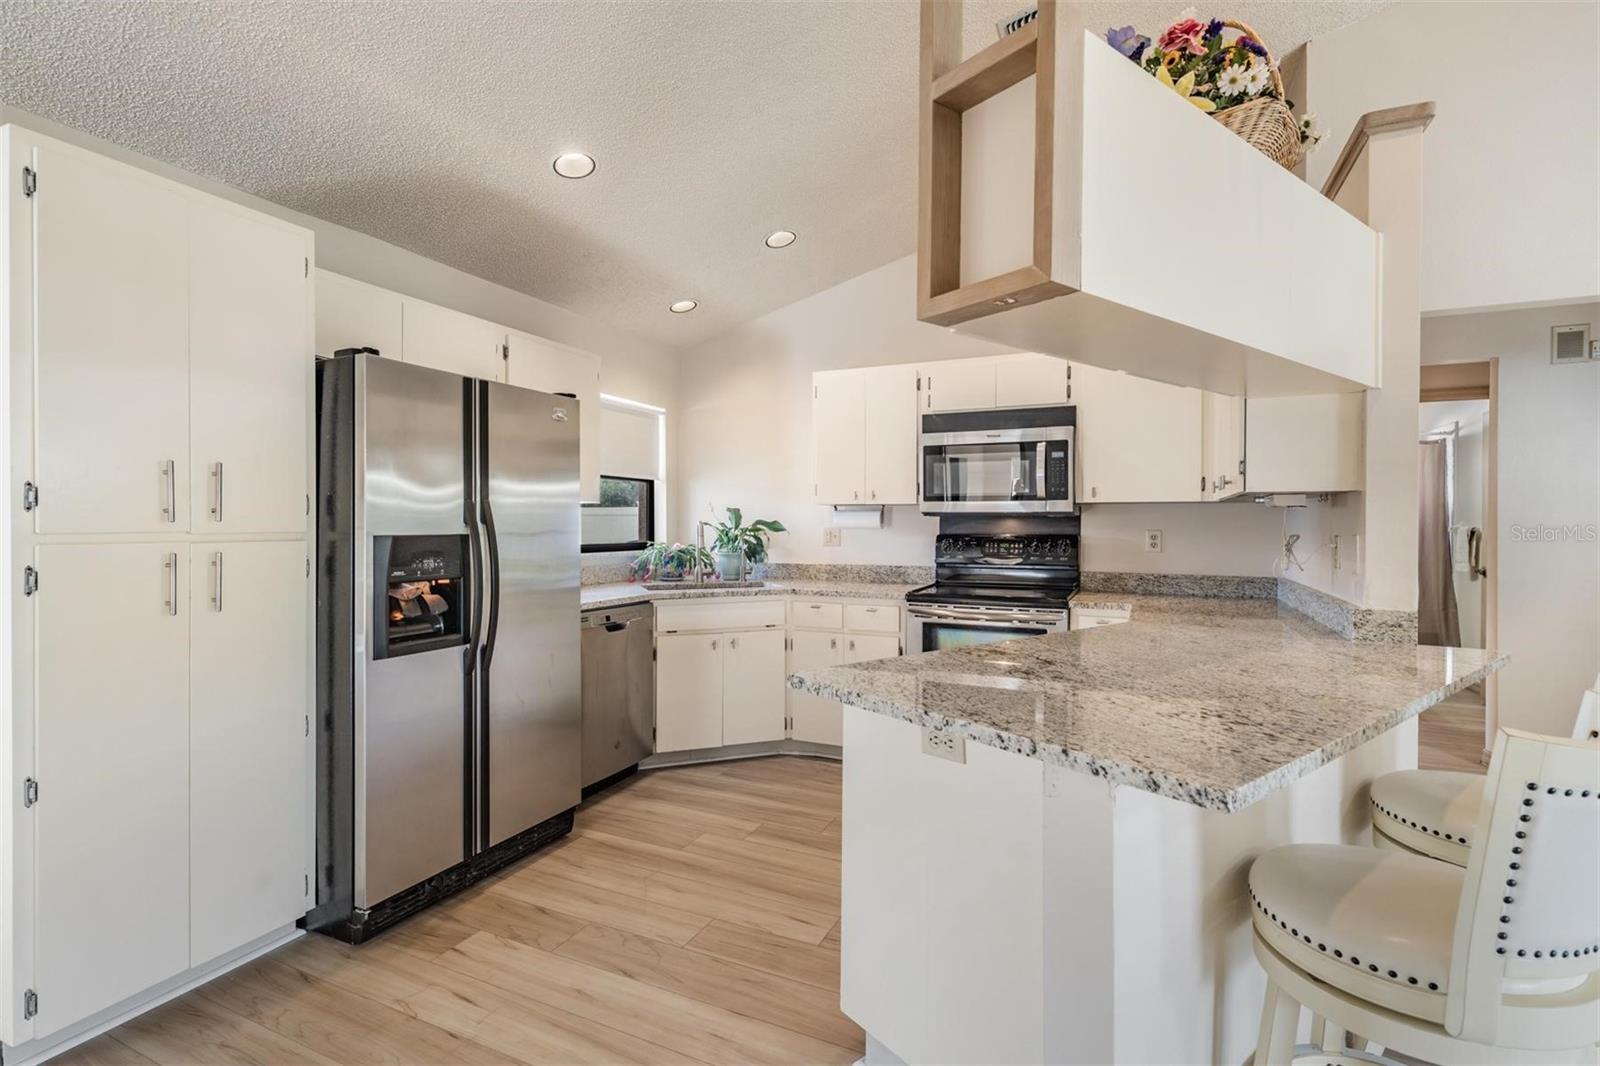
<point>683,307</point>
<point>780,238</point>
<point>574,165</point>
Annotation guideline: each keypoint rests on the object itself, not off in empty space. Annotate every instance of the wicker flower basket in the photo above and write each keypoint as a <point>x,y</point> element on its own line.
<point>1266,122</point>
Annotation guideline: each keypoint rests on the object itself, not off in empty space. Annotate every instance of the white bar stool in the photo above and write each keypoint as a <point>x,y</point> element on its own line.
<point>1432,812</point>
<point>1495,963</point>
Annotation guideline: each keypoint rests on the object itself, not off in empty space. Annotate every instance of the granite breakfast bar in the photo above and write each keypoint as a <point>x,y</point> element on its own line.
<point>1045,840</point>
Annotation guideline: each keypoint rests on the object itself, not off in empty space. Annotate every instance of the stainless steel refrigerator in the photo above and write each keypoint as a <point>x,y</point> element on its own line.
<point>448,626</point>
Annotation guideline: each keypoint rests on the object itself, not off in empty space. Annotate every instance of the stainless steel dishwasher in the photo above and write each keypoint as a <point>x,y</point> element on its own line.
<point>619,689</point>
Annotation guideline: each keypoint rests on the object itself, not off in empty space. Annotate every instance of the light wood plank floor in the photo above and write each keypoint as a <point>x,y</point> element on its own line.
<point>693,916</point>
<point>1450,734</point>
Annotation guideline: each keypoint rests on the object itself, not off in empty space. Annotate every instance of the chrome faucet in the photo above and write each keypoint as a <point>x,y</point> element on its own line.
<point>700,551</point>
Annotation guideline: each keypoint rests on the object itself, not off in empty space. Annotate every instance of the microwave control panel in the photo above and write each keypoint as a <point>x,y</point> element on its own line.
<point>1057,471</point>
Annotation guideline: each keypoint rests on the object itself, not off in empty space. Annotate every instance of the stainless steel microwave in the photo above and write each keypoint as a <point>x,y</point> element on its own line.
<point>1016,461</point>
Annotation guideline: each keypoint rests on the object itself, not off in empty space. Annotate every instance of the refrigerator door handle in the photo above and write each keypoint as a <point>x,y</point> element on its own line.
<point>493,560</point>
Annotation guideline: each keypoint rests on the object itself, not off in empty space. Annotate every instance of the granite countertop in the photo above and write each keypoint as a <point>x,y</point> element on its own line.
<point>595,597</point>
<point>1214,702</point>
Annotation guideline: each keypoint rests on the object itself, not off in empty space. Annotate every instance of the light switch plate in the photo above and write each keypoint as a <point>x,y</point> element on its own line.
<point>832,536</point>
<point>943,745</point>
<point>1152,540</point>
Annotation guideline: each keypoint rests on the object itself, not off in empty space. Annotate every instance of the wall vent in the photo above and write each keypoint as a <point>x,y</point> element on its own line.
<point>1570,344</point>
<point>1006,27</point>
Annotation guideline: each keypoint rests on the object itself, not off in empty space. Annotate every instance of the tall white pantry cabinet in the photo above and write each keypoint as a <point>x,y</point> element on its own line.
<point>156,763</point>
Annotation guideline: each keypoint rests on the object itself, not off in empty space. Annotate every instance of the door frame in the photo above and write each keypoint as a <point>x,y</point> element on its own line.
<point>1480,381</point>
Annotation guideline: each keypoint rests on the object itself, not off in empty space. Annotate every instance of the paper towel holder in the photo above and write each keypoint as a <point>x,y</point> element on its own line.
<point>857,516</point>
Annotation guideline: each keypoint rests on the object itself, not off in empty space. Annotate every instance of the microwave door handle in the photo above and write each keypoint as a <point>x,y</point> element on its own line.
<point>1041,451</point>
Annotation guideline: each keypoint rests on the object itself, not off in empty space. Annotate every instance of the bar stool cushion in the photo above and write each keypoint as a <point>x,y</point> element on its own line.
<point>1377,924</point>
<point>1434,812</point>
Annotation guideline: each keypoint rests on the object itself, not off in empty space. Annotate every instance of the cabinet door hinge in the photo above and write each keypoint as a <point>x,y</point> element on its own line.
<point>308,884</point>
<point>30,1004</point>
<point>30,581</point>
<point>30,495</point>
<point>308,566</point>
<point>1202,484</point>
<point>308,725</point>
<point>30,181</point>
<point>1241,467</point>
<point>1069,390</point>
<point>308,503</point>
<point>308,266</point>
<point>30,792</point>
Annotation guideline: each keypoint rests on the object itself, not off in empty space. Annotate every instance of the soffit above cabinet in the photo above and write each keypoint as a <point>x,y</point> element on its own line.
<point>1085,211</point>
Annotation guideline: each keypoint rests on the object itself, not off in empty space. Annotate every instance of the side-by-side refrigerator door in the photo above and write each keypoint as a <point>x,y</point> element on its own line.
<point>411,695</point>
<point>531,676</point>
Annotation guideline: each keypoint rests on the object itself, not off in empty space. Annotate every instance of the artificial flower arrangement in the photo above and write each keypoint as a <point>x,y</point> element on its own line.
<point>1236,81</point>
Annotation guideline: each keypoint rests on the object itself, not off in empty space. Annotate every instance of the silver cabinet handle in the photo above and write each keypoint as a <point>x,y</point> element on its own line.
<point>733,642</point>
<point>874,494</point>
<point>169,489</point>
<point>216,582</point>
<point>713,645</point>
<point>872,610</point>
<point>834,643</point>
<point>171,566</point>
<point>852,645</point>
<point>216,492</point>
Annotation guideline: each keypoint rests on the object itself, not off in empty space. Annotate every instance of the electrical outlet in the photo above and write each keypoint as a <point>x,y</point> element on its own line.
<point>1152,540</point>
<point>943,745</point>
<point>832,536</point>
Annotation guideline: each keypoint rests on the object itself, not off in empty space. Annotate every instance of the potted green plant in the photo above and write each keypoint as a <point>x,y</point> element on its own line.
<point>661,561</point>
<point>738,545</point>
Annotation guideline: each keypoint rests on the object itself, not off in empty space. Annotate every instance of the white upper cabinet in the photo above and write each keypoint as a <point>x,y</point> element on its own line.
<point>1139,441</point>
<point>838,434</point>
<point>535,363</point>
<point>448,340</point>
<point>111,292</point>
<point>959,385</point>
<point>1078,256</point>
<point>890,403</point>
<point>1306,443</point>
<point>250,372</point>
<point>1222,446</point>
<point>353,314</point>
<point>864,435</point>
<point>1031,381</point>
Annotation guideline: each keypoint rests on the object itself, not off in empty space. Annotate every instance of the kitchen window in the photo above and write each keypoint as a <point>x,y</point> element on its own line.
<point>625,517</point>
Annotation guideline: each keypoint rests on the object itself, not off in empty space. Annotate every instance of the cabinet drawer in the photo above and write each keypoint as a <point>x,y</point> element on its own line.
<point>872,617</point>
<point>719,615</point>
<point>816,614</point>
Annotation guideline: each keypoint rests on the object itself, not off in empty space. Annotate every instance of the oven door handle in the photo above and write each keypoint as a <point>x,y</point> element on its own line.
<point>986,619</point>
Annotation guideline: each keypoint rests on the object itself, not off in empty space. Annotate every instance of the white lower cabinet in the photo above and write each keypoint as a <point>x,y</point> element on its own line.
<point>722,665</point>
<point>753,691</point>
<point>247,743</point>
<point>111,691</point>
<point>688,691</point>
<point>813,718</point>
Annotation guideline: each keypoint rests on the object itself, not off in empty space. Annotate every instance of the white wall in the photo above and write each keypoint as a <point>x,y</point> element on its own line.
<point>1549,478</point>
<point>1510,211</point>
<point>630,366</point>
<point>745,414</point>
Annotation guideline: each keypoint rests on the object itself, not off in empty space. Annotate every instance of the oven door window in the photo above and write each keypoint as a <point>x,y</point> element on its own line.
<point>937,636</point>
<point>982,473</point>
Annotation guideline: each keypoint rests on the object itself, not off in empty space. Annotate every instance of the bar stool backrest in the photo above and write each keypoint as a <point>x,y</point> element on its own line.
<point>1529,918</point>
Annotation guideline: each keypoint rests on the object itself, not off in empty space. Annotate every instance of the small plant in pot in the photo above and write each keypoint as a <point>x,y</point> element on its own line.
<point>739,546</point>
<point>661,561</point>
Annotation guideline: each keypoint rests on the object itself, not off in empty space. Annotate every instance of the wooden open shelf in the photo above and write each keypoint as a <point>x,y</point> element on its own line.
<point>950,87</point>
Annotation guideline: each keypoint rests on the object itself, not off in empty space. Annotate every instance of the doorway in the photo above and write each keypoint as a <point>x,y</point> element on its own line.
<point>1457,522</point>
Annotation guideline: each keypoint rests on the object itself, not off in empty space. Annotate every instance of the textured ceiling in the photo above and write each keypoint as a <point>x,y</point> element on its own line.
<point>432,125</point>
